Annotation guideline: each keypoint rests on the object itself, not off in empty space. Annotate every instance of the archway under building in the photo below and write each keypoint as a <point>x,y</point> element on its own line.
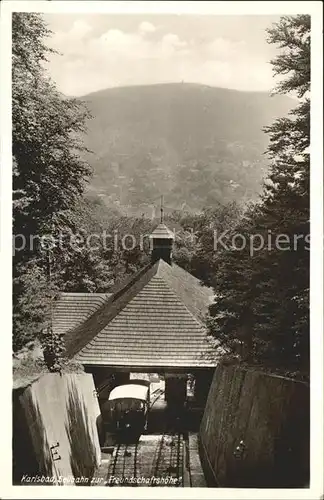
<point>177,398</point>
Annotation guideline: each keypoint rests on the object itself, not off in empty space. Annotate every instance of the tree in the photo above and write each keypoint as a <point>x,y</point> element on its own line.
<point>261,312</point>
<point>48,172</point>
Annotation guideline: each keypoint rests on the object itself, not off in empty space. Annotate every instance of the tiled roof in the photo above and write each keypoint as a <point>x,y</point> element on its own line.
<point>72,309</point>
<point>155,319</point>
<point>163,232</point>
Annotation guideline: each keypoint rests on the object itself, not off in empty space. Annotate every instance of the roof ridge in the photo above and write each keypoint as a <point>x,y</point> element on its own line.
<point>158,294</point>
<point>101,317</point>
<point>181,302</point>
<point>126,284</point>
<point>192,277</point>
<point>203,291</point>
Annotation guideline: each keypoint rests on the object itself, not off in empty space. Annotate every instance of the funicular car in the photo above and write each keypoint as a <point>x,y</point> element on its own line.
<point>127,407</point>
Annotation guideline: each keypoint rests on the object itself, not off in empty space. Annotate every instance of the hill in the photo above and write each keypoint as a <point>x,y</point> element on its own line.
<point>195,144</point>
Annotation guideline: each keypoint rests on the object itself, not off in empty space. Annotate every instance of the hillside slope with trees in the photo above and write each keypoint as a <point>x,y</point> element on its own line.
<point>197,145</point>
<point>261,310</point>
<point>204,148</point>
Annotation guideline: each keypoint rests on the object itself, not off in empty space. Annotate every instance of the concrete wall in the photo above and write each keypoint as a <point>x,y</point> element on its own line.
<point>270,415</point>
<point>60,413</point>
<point>24,460</point>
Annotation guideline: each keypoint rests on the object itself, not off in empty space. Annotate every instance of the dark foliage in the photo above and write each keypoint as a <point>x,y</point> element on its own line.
<point>48,173</point>
<point>261,310</point>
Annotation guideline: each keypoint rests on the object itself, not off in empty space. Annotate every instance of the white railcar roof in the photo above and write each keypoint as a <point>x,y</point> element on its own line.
<point>129,391</point>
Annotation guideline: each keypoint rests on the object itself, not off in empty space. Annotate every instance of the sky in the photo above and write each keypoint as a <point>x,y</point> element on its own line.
<point>99,51</point>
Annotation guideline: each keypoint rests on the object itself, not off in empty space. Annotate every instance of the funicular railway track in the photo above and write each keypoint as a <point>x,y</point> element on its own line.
<point>123,467</point>
<point>158,457</point>
<point>169,460</point>
<point>155,460</point>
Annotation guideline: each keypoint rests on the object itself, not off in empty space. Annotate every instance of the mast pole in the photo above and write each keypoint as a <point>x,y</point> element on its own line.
<point>161,209</point>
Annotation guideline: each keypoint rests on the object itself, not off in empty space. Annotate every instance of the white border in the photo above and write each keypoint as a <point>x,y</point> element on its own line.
<point>169,7</point>
<point>166,7</point>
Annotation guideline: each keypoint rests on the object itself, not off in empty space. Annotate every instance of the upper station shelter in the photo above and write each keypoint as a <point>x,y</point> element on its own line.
<point>153,322</point>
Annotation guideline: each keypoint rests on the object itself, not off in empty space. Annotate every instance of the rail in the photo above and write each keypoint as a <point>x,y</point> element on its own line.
<point>167,461</point>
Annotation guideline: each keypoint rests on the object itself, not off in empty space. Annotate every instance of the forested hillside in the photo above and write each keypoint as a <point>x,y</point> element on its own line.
<point>198,145</point>
<point>203,149</point>
<point>261,310</point>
